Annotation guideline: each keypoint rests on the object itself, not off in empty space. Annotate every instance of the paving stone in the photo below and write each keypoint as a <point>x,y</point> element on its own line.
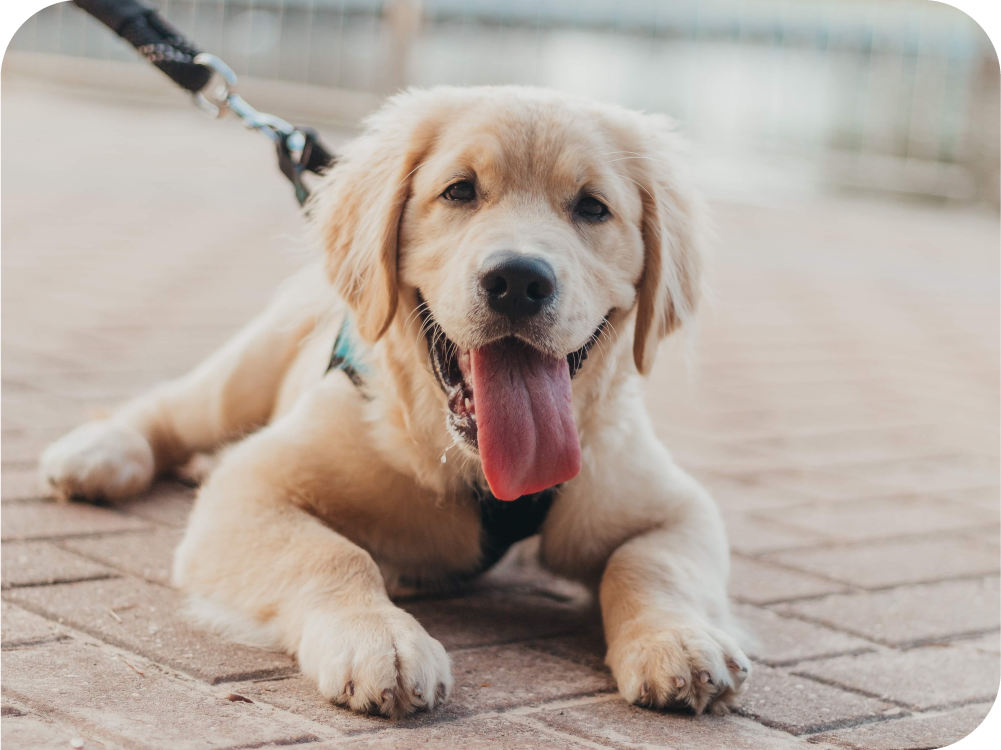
<point>299,695</point>
<point>785,640</point>
<point>834,485</point>
<point>29,730</point>
<point>834,447</point>
<point>800,705</point>
<point>38,563</point>
<point>730,459</point>
<point>480,733</point>
<point>758,582</point>
<point>586,648</point>
<point>935,730</point>
<point>504,618</point>
<point>922,678</point>
<point>50,520</point>
<point>989,644</point>
<point>145,554</point>
<point>938,475</point>
<point>748,494</point>
<point>22,453</point>
<point>140,706</point>
<point>166,503</point>
<point>751,536</point>
<point>22,484</point>
<point>619,725</point>
<point>22,628</point>
<point>909,614</point>
<point>152,624</point>
<point>486,679</point>
<point>854,521</point>
<point>983,497</point>
<point>894,562</point>
<point>501,677</point>
<point>10,709</point>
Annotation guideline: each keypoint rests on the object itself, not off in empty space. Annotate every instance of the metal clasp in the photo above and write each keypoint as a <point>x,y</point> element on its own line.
<point>216,103</point>
<point>222,98</point>
<point>295,147</point>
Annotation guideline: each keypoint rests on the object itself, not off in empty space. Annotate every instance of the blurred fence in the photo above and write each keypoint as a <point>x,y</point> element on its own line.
<point>891,95</point>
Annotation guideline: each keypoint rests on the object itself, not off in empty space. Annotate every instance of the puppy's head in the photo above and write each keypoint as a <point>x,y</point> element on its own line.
<point>517,226</point>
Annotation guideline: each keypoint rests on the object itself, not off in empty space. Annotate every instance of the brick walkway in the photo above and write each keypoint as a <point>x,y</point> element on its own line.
<point>843,408</point>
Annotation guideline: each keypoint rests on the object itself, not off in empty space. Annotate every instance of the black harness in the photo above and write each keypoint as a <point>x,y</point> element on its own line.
<point>505,522</point>
<point>502,522</point>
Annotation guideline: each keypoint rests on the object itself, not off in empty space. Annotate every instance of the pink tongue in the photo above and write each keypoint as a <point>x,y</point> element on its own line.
<point>525,427</point>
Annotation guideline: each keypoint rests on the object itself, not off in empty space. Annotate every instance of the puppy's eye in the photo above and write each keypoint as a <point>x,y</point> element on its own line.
<point>591,208</point>
<point>460,191</point>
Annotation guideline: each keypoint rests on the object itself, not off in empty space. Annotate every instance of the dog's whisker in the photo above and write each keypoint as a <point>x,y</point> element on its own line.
<point>640,186</point>
<point>414,314</point>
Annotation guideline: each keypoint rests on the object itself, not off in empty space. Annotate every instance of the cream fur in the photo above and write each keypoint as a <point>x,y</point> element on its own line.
<point>325,500</point>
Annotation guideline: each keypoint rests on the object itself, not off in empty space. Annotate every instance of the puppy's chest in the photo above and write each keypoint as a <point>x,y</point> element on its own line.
<point>428,545</point>
<point>464,550</point>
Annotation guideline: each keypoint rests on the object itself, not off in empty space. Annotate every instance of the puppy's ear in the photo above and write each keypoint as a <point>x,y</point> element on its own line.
<point>358,211</point>
<point>669,288</point>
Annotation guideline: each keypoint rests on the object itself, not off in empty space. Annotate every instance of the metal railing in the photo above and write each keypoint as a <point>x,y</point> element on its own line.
<point>898,96</point>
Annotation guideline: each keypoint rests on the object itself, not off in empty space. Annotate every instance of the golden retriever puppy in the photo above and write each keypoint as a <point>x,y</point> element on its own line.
<point>500,265</point>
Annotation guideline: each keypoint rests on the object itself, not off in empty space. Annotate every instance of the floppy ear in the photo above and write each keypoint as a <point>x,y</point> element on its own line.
<point>669,288</point>
<point>359,209</point>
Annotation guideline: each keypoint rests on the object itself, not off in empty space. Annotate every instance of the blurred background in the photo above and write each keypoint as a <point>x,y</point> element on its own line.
<point>780,96</point>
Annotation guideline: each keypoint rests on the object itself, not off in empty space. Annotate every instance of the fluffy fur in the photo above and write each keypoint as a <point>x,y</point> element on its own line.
<point>325,499</point>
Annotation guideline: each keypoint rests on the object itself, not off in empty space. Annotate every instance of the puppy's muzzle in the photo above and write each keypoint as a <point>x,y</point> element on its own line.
<point>517,286</point>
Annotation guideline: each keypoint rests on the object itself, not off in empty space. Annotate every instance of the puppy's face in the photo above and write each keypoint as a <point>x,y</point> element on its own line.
<point>513,224</point>
<point>518,225</point>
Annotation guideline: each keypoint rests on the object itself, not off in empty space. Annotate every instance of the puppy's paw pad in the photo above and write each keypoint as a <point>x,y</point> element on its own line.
<point>99,459</point>
<point>687,665</point>
<point>375,660</point>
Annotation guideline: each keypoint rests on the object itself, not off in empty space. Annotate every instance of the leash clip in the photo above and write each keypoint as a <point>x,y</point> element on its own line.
<point>216,104</point>
<point>298,149</point>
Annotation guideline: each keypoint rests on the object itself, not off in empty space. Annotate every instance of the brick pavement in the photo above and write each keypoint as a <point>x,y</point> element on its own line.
<point>842,406</point>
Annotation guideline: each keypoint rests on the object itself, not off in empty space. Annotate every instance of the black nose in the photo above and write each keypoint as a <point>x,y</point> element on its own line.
<point>517,286</point>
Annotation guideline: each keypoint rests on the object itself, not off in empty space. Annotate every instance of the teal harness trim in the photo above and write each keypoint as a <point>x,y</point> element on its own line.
<point>345,356</point>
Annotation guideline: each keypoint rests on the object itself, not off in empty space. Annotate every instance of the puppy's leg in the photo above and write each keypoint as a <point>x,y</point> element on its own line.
<point>263,568</point>
<point>654,539</point>
<point>228,395</point>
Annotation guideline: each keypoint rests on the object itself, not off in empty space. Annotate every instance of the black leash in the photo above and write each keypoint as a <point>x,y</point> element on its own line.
<point>299,148</point>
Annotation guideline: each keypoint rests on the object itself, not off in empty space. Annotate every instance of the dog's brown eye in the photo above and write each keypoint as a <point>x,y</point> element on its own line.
<point>591,208</point>
<point>460,191</point>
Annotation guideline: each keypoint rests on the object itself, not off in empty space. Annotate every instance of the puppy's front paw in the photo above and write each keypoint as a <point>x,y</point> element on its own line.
<point>684,663</point>
<point>375,660</point>
<point>98,459</point>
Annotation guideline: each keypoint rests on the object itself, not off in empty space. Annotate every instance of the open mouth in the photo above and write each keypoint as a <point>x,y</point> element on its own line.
<point>453,369</point>
<point>511,403</point>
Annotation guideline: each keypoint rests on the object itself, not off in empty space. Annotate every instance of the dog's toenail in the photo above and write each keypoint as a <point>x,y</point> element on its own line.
<point>417,691</point>
<point>704,676</point>
<point>679,682</point>
<point>350,689</point>
<point>441,691</point>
